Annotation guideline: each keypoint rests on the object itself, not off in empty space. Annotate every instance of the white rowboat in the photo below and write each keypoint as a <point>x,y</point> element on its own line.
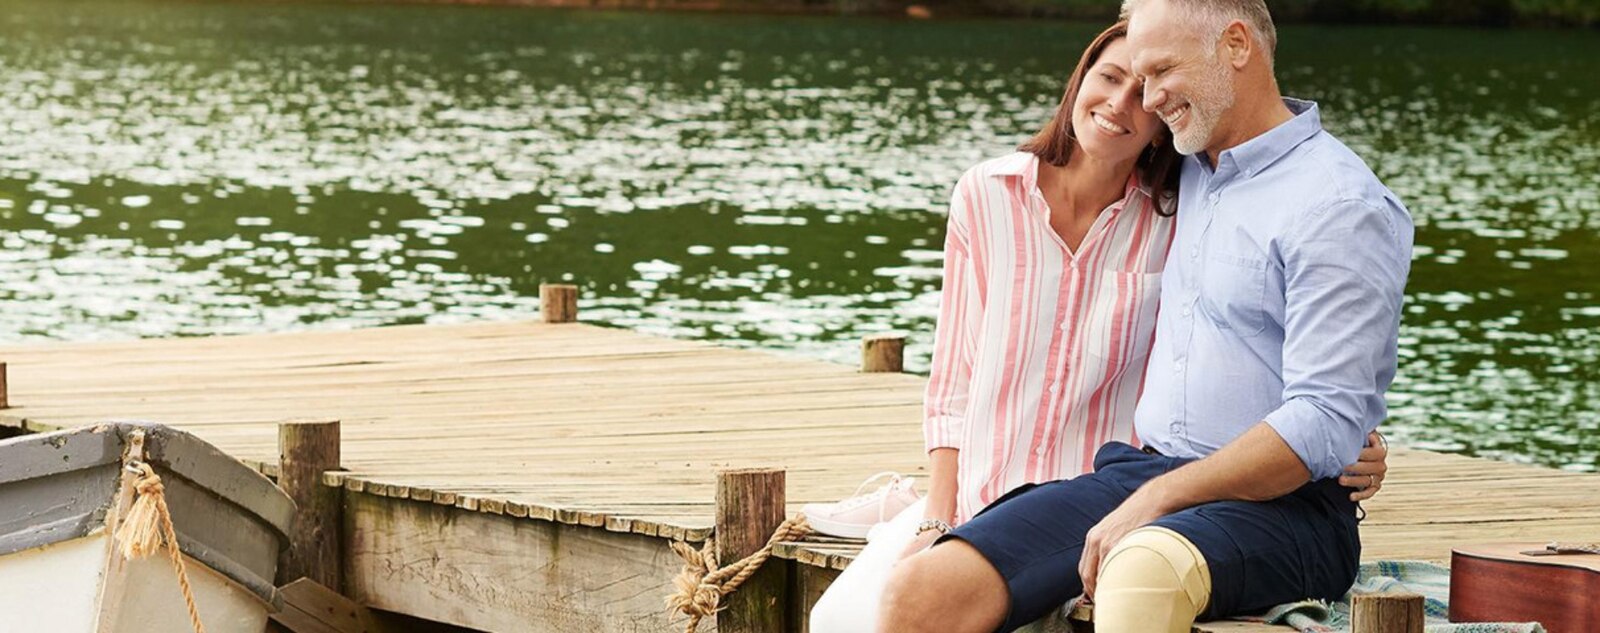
<point>61,495</point>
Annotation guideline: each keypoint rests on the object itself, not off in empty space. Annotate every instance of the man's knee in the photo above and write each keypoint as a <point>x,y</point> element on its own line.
<point>1153,580</point>
<point>949,588</point>
<point>908,595</point>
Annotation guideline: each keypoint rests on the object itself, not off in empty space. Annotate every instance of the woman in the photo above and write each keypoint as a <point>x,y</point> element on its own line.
<point>1052,274</point>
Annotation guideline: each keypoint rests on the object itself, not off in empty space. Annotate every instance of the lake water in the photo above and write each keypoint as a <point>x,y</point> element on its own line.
<point>778,182</point>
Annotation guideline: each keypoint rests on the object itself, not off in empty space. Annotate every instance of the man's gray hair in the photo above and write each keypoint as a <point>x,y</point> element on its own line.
<point>1216,14</point>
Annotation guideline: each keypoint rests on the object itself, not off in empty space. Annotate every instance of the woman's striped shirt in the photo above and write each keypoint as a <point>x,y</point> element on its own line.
<point>1039,352</point>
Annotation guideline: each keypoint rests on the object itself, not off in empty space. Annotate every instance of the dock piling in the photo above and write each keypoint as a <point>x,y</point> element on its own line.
<point>750,506</point>
<point>558,303</point>
<point>883,353</point>
<point>1386,613</point>
<point>307,449</point>
<point>5,395</point>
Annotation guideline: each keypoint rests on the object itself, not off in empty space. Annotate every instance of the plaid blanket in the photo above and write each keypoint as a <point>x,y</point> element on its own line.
<point>1430,580</point>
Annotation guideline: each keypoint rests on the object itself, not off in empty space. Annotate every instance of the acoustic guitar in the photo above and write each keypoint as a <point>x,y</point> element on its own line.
<point>1557,585</point>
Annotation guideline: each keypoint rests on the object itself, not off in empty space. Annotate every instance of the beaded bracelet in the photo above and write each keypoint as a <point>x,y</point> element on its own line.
<point>933,524</point>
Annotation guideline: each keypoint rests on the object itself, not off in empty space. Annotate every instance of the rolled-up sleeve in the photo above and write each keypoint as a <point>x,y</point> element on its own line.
<point>960,312</point>
<point>1344,282</point>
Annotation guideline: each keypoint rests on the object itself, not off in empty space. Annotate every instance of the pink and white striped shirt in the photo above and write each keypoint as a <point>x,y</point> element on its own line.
<point>1039,352</point>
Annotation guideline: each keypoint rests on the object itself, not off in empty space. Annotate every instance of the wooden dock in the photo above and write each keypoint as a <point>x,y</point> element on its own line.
<point>529,476</point>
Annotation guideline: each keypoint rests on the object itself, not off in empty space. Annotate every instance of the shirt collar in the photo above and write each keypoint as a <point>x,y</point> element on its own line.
<point>1017,164</point>
<point>1254,155</point>
<point>1024,165</point>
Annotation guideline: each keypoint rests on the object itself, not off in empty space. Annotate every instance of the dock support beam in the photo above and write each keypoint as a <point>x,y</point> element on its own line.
<point>750,506</point>
<point>5,391</point>
<point>883,353</point>
<point>1386,613</point>
<point>306,449</point>
<point>558,303</point>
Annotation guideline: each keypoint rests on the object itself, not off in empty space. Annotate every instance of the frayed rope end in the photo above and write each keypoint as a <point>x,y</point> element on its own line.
<point>141,533</point>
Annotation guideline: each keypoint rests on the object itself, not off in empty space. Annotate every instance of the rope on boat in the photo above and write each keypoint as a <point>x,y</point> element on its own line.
<point>700,590</point>
<point>149,525</point>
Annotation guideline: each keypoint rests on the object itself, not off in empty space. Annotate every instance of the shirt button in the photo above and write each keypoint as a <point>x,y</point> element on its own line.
<point>1039,451</point>
<point>1187,311</point>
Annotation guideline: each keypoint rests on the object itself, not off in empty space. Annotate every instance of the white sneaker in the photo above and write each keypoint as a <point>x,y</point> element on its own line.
<point>854,516</point>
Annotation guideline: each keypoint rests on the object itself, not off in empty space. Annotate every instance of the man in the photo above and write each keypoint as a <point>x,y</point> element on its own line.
<point>1276,340</point>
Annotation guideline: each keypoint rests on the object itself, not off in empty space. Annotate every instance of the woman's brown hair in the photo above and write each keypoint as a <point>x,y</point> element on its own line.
<point>1157,165</point>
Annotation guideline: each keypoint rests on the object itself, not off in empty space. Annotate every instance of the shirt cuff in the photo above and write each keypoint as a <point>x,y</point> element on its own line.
<point>941,432</point>
<point>1307,430</point>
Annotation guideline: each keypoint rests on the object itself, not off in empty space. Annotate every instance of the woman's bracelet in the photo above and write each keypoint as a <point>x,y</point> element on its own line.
<point>933,524</point>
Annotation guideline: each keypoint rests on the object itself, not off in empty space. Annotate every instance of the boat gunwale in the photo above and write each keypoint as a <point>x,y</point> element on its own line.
<point>58,531</point>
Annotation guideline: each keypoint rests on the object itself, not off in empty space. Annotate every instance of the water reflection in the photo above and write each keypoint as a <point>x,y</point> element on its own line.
<point>176,169</point>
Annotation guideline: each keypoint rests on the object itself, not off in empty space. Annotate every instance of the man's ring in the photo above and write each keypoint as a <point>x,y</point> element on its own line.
<point>1372,481</point>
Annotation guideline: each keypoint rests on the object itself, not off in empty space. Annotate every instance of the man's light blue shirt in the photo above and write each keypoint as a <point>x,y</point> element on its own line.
<point>1280,300</point>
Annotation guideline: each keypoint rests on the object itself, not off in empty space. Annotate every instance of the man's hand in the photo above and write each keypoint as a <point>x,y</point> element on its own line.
<point>1138,511</point>
<point>1366,475</point>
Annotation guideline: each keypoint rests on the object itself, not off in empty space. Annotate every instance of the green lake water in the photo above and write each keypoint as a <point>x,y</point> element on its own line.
<point>190,169</point>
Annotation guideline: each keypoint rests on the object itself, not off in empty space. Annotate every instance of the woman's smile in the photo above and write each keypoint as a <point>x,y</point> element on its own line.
<point>1107,125</point>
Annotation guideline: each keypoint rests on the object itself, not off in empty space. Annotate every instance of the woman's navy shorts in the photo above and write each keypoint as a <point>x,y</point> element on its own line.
<point>1302,545</point>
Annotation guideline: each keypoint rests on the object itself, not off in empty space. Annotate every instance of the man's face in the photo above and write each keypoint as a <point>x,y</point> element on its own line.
<point>1186,82</point>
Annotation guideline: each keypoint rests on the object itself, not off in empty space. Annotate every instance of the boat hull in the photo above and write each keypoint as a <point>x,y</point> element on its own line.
<point>82,586</point>
<point>61,496</point>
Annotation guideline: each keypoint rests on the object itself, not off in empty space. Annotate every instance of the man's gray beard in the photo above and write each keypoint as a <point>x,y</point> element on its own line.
<point>1212,96</point>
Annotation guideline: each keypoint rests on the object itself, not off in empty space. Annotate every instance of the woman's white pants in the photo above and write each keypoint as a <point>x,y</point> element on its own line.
<point>851,603</point>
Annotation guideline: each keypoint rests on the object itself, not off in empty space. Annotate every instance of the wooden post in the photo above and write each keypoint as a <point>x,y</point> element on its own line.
<point>5,394</point>
<point>750,507</point>
<point>306,449</point>
<point>558,302</point>
<point>883,353</point>
<point>1386,613</point>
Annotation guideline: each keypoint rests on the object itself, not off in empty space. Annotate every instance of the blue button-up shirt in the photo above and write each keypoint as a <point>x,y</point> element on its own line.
<point>1280,301</point>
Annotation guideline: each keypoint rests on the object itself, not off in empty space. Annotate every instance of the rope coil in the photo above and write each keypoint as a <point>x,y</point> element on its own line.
<point>148,527</point>
<point>700,590</point>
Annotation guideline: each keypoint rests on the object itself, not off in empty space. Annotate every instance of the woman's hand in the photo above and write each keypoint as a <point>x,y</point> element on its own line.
<point>1366,475</point>
<point>941,499</point>
<point>923,540</point>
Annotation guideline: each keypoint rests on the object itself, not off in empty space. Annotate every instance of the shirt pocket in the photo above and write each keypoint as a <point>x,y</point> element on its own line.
<point>1233,292</point>
<point>1122,322</point>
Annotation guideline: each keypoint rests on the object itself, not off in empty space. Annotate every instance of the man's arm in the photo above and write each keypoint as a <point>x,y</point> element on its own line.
<point>1257,466</point>
<point>1344,284</point>
<point>1344,278</point>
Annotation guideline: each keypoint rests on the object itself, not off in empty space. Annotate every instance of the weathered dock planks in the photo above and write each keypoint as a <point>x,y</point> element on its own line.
<point>531,473</point>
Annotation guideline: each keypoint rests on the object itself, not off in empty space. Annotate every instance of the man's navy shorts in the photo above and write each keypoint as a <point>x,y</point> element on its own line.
<point>1260,554</point>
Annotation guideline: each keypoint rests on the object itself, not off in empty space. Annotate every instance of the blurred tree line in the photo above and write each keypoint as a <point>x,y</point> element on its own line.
<point>1469,12</point>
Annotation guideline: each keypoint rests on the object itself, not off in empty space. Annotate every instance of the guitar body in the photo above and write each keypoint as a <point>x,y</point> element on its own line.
<point>1499,583</point>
